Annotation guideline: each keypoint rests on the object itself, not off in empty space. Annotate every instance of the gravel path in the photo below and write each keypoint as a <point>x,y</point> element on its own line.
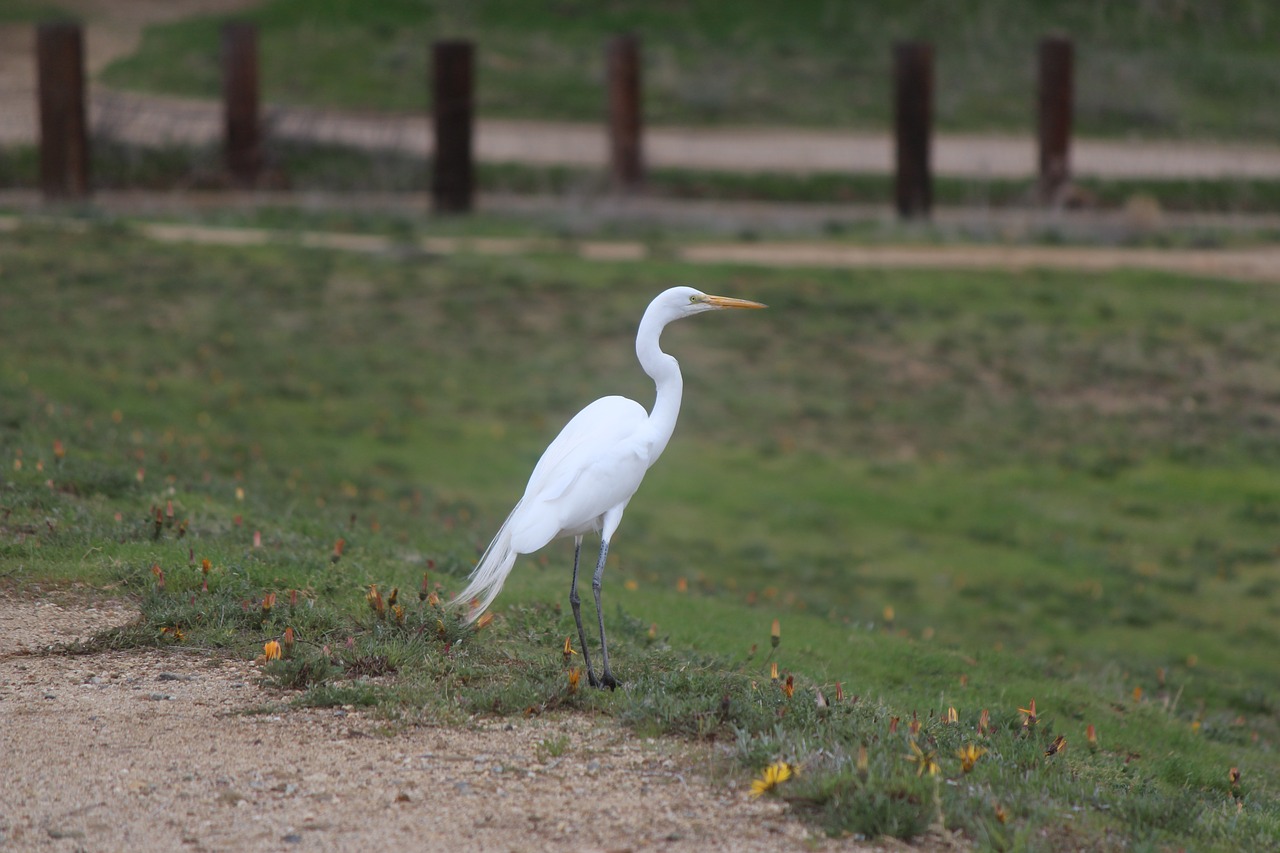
<point>163,750</point>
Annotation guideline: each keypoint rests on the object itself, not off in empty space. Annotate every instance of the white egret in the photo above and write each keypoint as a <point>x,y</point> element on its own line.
<point>586,477</point>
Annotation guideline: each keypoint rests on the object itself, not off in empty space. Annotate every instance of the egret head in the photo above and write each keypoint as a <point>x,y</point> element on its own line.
<point>686,301</point>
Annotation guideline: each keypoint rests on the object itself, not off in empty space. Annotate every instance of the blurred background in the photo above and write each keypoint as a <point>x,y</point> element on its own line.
<point>1168,112</point>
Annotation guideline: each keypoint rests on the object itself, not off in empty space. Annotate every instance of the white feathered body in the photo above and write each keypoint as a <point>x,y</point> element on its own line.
<point>581,484</point>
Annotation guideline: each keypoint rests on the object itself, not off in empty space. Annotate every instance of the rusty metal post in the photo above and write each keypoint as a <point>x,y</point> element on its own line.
<point>453,179</point>
<point>1055,103</point>
<point>913,127</point>
<point>625,152</point>
<point>242,135</point>
<point>64,138</point>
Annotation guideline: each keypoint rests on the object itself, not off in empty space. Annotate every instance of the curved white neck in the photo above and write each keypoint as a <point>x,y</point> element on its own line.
<point>667,381</point>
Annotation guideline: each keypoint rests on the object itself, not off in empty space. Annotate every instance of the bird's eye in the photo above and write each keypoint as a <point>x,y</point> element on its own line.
<point>694,298</point>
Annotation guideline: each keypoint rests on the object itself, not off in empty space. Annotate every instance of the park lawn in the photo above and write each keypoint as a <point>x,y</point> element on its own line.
<point>1159,70</point>
<point>952,490</point>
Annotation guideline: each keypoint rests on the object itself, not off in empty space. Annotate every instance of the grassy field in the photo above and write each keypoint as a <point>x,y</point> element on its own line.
<point>953,490</point>
<point>1197,69</point>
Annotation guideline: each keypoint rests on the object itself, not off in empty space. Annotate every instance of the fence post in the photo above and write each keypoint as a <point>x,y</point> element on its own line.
<point>64,140</point>
<point>625,152</point>
<point>242,137</point>
<point>452,181</point>
<point>1055,100</point>
<point>913,127</point>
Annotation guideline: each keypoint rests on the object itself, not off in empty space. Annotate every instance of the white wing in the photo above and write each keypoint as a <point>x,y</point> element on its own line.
<point>595,463</point>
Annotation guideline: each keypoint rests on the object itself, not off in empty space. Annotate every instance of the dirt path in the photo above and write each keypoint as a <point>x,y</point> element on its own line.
<point>167,750</point>
<point>1256,263</point>
<point>114,29</point>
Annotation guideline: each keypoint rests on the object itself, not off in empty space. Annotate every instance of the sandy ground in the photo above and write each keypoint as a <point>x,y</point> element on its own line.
<point>172,749</point>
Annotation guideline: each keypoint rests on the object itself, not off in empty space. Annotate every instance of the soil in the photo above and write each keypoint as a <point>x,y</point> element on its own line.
<point>183,749</point>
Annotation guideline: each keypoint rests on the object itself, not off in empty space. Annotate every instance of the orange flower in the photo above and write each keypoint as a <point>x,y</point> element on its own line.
<point>775,633</point>
<point>271,650</point>
<point>773,671</point>
<point>1029,718</point>
<point>1091,735</point>
<point>984,723</point>
<point>268,602</point>
<point>789,687</point>
<point>1059,744</point>
<point>575,675</point>
<point>952,716</point>
<point>568,650</point>
<point>337,550</point>
<point>484,621</point>
<point>286,644</point>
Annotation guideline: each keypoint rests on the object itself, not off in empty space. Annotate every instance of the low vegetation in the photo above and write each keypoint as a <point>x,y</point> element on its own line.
<point>1017,532</point>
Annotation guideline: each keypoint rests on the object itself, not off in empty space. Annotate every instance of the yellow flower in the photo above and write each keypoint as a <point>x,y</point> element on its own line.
<point>925,762</point>
<point>575,675</point>
<point>775,633</point>
<point>771,777</point>
<point>271,650</point>
<point>969,756</point>
<point>569,651</point>
<point>374,599</point>
<point>1030,717</point>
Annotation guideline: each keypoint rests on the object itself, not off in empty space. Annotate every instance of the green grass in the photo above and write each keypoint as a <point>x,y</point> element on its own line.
<point>952,489</point>
<point>1198,69</point>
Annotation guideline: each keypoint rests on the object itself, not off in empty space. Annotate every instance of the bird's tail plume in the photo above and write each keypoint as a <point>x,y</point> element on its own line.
<point>490,573</point>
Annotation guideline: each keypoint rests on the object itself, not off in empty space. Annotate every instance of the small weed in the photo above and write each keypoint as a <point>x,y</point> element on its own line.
<point>552,747</point>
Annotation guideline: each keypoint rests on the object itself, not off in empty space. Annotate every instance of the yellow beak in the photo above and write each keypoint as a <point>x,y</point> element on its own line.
<point>730,302</point>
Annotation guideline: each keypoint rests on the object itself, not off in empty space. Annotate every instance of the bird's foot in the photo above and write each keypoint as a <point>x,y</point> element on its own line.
<point>605,680</point>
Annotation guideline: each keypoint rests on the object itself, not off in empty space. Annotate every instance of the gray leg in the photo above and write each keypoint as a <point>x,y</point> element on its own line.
<point>606,677</point>
<point>576,604</point>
